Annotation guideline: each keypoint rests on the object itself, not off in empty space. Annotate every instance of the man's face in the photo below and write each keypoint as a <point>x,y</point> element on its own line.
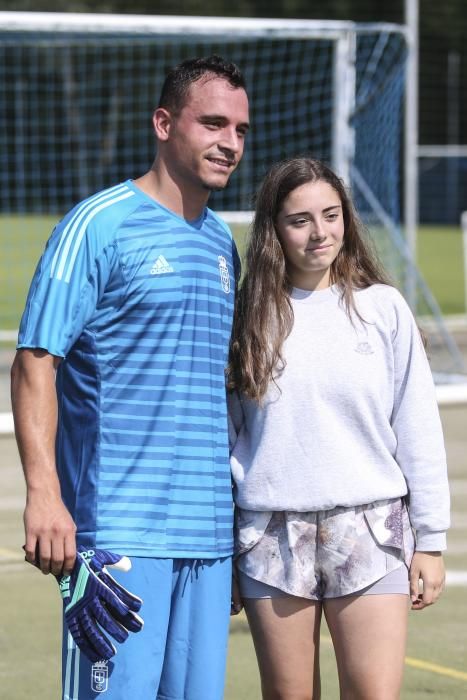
<point>206,139</point>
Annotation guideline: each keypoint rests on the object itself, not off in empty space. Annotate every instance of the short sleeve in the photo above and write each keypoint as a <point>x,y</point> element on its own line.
<point>67,285</point>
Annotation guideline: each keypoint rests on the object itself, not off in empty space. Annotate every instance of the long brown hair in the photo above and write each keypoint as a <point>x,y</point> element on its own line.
<point>264,316</point>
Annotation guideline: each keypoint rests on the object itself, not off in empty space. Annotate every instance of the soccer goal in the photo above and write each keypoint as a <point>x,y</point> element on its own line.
<point>78,91</point>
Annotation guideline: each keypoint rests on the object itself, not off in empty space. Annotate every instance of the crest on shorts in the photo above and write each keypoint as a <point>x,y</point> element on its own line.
<point>99,677</point>
<point>224,273</point>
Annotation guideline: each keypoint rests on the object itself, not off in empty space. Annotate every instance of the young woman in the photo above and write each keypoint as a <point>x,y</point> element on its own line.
<point>337,451</point>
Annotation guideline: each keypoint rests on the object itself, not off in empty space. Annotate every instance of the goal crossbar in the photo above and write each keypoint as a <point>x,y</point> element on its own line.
<point>175,24</point>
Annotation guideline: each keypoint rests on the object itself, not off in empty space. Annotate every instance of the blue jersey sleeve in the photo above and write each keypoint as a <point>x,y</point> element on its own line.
<point>67,285</point>
<point>73,272</point>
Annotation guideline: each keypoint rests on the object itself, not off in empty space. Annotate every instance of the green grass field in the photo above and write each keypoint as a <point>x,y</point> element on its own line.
<point>30,608</point>
<point>440,258</point>
<point>22,239</point>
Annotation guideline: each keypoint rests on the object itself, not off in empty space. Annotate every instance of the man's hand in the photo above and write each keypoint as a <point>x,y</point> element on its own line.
<point>427,567</point>
<point>50,534</point>
<point>95,603</point>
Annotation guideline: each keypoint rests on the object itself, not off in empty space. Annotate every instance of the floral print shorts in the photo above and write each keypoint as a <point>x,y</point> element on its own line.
<point>324,554</point>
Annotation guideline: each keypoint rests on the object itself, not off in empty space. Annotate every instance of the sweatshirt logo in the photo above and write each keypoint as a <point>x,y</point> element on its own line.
<point>364,348</point>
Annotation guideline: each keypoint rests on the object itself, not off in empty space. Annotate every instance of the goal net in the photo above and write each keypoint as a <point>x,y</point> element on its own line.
<point>78,92</point>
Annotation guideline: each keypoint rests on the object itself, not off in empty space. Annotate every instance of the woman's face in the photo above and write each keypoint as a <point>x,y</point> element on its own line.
<point>310,226</point>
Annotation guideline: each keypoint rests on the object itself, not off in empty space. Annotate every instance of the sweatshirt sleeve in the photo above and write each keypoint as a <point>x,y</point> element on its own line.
<point>416,423</point>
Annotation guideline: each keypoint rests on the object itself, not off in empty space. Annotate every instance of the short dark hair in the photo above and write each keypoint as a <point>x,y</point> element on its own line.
<point>180,78</point>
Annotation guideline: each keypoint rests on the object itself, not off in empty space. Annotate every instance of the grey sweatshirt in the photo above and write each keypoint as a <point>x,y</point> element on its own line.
<point>353,418</point>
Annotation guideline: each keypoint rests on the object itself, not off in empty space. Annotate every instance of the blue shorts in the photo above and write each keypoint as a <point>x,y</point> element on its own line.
<point>181,652</point>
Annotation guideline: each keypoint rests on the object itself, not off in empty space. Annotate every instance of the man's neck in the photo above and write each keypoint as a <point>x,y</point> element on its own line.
<point>158,185</point>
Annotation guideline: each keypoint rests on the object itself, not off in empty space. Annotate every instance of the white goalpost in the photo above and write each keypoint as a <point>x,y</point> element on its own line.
<point>77,93</point>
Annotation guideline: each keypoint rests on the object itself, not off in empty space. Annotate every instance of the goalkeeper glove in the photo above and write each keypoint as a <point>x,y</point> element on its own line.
<point>94,602</point>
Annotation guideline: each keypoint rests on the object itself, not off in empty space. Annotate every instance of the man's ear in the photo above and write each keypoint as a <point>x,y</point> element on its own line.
<point>162,121</point>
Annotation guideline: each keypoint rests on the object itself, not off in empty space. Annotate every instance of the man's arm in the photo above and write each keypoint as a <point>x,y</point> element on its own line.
<point>49,528</point>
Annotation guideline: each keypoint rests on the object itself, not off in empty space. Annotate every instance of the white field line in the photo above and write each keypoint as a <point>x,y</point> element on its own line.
<point>6,424</point>
<point>451,394</point>
<point>456,578</point>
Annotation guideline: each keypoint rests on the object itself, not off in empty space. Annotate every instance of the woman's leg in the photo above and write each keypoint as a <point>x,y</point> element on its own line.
<point>369,634</point>
<point>285,632</point>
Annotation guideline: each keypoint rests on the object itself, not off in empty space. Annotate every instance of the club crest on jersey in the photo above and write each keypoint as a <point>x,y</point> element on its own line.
<point>99,677</point>
<point>224,273</point>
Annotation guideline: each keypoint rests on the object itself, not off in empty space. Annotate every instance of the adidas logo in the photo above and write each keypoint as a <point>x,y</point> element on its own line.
<point>161,266</point>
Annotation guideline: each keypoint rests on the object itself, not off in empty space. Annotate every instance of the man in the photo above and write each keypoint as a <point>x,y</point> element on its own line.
<point>130,311</point>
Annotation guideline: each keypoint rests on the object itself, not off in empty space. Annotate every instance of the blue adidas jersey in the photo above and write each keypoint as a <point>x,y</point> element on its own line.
<point>139,303</point>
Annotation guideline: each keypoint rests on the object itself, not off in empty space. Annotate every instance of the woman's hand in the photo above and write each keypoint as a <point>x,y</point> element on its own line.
<point>427,567</point>
<point>236,604</point>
